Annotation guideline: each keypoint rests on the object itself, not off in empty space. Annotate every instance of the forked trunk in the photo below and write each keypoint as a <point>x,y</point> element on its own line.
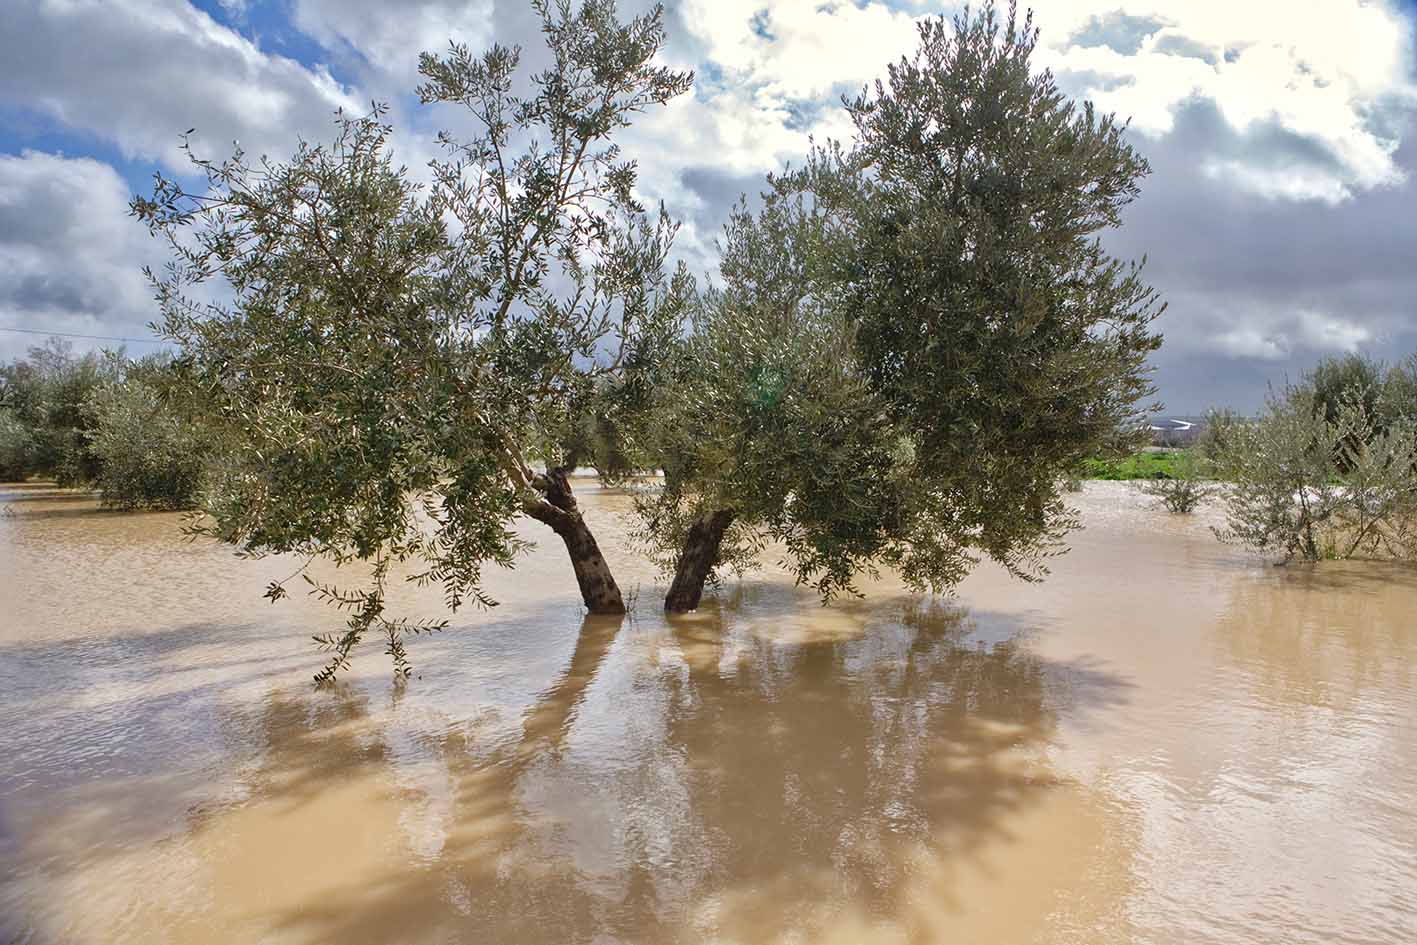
<point>696,560</point>
<point>598,588</point>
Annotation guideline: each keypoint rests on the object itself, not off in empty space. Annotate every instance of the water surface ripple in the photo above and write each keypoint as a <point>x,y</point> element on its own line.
<point>1167,742</point>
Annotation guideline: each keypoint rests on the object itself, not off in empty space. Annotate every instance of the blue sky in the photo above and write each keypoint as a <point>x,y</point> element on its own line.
<point>1280,220</point>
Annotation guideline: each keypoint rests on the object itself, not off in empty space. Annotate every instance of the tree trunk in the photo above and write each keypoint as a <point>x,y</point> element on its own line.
<point>696,559</point>
<point>558,509</point>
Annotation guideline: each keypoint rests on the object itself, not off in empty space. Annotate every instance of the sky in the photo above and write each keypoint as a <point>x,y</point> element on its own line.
<point>1279,221</point>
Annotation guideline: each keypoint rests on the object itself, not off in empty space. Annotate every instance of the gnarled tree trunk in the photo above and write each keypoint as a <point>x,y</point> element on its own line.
<point>696,559</point>
<point>557,508</point>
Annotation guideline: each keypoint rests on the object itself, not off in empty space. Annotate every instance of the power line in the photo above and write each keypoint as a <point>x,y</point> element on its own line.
<point>73,334</point>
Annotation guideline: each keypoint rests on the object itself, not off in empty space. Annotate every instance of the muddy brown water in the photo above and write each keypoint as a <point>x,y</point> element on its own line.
<point>1168,741</point>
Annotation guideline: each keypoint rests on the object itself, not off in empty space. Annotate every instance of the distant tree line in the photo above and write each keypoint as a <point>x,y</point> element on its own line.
<point>101,421</point>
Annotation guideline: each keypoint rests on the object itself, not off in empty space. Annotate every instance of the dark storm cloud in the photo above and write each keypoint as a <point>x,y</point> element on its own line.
<point>40,292</point>
<point>1261,287</point>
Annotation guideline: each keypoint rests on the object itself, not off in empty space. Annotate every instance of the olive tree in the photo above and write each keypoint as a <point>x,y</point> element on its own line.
<point>766,428</point>
<point>1398,399</point>
<point>1311,487</point>
<point>44,423</point>
<point>150,455</point>
<point>955,253</point>
<point>1187,488</point>
<point>393,364</point>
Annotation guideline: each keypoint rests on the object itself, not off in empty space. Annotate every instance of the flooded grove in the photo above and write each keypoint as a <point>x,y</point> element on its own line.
<point>1169,741</point>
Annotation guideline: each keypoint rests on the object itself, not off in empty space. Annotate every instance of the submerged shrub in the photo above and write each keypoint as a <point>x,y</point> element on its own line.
<point>1185,489</point>
<point>1312,487</point>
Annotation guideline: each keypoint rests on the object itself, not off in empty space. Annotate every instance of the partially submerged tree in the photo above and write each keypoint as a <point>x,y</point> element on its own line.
<point>383,384</point>
<point>1190,485</point>
<point>767,429</point>
<point>150,456</point>
<point>44,423</point>
<point>1309,487</point>
<point>993,343</point>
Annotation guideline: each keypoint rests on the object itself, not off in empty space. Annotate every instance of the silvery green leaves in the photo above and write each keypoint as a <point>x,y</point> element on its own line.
<point>150,455</point>
<point>1324,473</point>
<point>767,430</point>
<point>46,420</point>
<point>382,363</point>
<point>1185,491</point>
<point>987,313</point>
<point>938,286</point>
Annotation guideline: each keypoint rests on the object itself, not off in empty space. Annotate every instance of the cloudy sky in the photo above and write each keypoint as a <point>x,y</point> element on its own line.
<point>1280,220</point>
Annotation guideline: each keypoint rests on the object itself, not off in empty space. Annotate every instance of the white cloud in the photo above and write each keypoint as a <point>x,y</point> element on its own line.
<point>389,36</point>
<point>770,73</point>
<point>70,256</point>
<point>140,73</point>
<point>1268,332</point>
<point>799,50</point>
<point>1292,182</point>
<point>1325,71</point>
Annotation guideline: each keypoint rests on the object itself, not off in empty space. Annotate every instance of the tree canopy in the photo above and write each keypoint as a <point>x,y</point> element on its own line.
<point>393,361</point>
<point>915,338</point>
<point>984,341</point>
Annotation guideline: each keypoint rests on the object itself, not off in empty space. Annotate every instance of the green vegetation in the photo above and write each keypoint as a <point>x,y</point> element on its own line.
<point>1145,464</point>
<point>918,335</point>
<point>148,456</point>
<point>44,421</point>
<point>385,384</point>
<point>1189,483</point>
<point>99,421</point>
<point>1328,470</point>
<point>766,427</point>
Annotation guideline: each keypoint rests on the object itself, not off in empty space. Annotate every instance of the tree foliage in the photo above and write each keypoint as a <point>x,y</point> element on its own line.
<point>989,315</point>
<point>103,421</point>
<point>1309,487</point>
<point>394,360</point>
<point>44,420</point>
<point>1189,486</point>
<point>988,343</point>
<point>767,427</point>
<point>149,455</point>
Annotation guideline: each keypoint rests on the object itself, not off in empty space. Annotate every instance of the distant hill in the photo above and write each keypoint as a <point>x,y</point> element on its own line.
<point>1174,429</point>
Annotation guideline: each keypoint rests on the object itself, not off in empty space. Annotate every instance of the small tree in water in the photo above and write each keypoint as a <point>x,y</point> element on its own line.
<point>987,345</point>
<point>1186,489</point>
<point>381,388</point>
<point>1311,487</point>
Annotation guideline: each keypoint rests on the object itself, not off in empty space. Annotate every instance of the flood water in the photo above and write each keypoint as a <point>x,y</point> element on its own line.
<point>1169,741</point>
